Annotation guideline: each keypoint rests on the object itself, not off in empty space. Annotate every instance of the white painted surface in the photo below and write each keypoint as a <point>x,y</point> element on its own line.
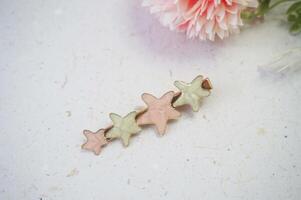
<point>66,64</point>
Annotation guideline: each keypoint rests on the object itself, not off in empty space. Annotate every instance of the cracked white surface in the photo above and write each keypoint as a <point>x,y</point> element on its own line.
<point>65,65</point>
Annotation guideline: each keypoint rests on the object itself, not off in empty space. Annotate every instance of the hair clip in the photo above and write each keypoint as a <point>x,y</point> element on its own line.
<point>158,112</point>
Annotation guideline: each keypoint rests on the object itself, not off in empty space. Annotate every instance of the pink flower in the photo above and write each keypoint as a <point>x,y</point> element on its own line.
<point>201,18</point>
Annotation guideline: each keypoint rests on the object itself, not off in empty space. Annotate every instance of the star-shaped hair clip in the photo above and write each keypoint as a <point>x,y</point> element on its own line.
<point>95,141</point>
<point>192,93</point>
<point>158,112</point>
<point>123,127</point>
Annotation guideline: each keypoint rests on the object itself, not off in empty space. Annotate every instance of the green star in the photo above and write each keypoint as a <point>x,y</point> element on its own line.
<point>123,127</point>
<point>191,93</point>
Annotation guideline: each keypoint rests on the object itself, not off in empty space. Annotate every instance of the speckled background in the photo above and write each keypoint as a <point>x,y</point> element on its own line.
<point>64,65</point>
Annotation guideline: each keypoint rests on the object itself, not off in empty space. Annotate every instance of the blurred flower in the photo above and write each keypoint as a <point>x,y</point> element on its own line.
<point>203,19</point>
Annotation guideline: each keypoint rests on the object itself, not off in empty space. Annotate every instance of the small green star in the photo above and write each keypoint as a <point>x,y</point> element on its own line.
<point>123,127</point>
<point>191,93</point>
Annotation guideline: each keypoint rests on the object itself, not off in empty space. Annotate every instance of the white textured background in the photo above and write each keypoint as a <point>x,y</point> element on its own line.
<point>64,65</point>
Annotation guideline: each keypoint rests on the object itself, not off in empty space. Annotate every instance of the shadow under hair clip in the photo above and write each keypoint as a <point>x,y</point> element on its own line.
<point>158,112</point>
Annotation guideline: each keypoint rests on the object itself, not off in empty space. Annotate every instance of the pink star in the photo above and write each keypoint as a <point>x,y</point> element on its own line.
<point>94,141</point>
<point>159,111</point>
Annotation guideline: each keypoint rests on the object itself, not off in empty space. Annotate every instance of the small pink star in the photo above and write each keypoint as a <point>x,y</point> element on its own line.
<point>94,141</point>
<point>159,111</point>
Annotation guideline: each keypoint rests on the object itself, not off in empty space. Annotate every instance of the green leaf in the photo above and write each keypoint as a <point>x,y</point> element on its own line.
<point>294,7</point>
<point>294,16</point>
<point>296,28</point>
<point>263,6</point>
<point>247,15</point>
<point>291,18</point>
